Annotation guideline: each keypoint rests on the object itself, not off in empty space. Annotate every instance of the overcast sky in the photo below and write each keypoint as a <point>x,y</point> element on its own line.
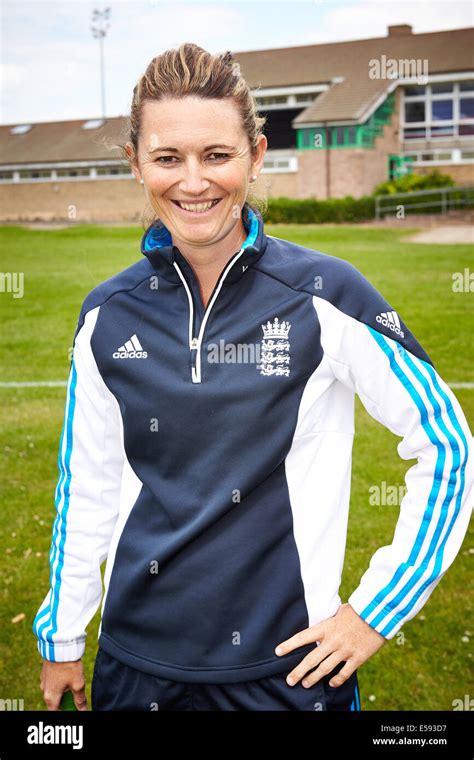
<point>50,61</point>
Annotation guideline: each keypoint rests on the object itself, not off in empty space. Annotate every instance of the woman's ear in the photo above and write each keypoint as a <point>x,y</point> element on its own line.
<point>133,161</point>
<point>259,155</point>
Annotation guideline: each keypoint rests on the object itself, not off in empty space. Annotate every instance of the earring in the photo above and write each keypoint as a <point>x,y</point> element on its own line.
<point>142,182</point>
<point>253,178</point>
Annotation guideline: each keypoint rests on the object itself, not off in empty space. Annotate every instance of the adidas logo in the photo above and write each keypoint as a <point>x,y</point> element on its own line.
<point>390,319</point>
<point>130,350</point>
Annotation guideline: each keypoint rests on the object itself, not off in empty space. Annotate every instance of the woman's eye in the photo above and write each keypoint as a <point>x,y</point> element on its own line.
<point>167,159</point>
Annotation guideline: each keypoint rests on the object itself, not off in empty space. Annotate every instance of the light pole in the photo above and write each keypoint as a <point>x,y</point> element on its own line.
<point>99,27</point>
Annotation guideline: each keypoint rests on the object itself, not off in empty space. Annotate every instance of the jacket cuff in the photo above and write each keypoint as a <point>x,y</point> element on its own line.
<point>64,652</point>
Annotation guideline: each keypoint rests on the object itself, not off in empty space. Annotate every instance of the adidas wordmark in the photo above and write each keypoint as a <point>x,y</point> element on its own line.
<point>132,349</point>
<point>390,319</point>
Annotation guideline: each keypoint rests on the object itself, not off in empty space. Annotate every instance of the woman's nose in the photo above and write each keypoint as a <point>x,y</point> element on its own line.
<point>193,180</point>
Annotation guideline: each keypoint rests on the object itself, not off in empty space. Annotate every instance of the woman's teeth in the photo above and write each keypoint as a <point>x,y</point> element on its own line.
<point>198,207</point>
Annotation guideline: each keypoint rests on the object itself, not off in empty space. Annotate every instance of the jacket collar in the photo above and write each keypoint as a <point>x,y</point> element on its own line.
<point>157,245</point>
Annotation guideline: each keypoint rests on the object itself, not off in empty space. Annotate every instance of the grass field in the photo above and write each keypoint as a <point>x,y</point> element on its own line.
<point>427,668</point>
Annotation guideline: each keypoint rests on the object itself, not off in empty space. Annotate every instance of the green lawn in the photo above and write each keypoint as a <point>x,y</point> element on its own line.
<point>430,665</point>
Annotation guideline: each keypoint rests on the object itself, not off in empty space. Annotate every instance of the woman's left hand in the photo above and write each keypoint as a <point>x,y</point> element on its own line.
<point>345,636</point>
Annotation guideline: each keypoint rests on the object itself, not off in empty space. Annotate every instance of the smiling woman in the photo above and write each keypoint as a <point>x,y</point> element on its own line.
<point>197,179</point>
<point>219,490</point>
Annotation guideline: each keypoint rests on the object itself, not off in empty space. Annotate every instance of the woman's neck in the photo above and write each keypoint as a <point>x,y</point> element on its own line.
<point>208,262</point>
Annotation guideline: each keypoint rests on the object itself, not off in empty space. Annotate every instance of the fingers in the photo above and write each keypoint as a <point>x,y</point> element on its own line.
<point>312,660</point>
<point>311,673</point>
<point>344,673</point>
<point>59,677</point>
<point>80,699</point>
<point>52,700</point>
<point>308,636</point>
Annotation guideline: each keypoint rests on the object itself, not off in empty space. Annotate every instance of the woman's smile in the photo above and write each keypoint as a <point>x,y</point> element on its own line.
<point>198,210</point>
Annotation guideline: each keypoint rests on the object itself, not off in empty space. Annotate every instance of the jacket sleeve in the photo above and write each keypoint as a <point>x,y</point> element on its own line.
<point>90,464</point>
<point>372,352</point>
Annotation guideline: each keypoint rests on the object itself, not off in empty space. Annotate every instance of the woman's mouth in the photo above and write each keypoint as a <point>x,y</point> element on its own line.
<point>198,209</point>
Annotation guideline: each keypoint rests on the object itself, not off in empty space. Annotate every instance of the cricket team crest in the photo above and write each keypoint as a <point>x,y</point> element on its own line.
<point>275,348</point>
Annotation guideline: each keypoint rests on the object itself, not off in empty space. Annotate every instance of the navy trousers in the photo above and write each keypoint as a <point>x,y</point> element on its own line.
<point>116,686</point>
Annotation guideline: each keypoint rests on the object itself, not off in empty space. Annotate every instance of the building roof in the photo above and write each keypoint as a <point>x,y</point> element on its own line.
<point>57,141</point>
<point>352,97</point>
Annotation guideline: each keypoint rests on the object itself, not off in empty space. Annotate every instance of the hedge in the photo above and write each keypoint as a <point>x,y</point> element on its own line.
<point>311,211</point>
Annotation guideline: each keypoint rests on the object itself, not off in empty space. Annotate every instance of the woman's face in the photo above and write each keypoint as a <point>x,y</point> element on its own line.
<point>195,150</point>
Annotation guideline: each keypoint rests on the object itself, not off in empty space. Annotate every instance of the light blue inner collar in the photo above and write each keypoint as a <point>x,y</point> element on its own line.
<point>160,237</point>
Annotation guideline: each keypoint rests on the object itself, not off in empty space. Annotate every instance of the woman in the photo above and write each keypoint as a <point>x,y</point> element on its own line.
<point>206,449</point>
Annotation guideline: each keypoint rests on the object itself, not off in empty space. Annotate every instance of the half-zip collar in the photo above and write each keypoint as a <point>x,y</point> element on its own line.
<point>157,245</point>
<point>167,259</point>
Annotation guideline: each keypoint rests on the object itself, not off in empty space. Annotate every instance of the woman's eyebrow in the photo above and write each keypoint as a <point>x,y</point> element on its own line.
<point>175,150</point>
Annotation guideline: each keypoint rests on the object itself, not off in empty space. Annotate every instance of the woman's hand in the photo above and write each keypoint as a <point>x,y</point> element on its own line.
<point>345,636</point>
<point>58,677</point>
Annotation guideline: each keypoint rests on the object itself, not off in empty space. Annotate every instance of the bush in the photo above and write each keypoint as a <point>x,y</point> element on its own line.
<point>413,182</point>
<point>311,211</point>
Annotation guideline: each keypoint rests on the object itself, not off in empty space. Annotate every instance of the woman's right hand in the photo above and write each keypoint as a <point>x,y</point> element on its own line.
<point>59,677</point>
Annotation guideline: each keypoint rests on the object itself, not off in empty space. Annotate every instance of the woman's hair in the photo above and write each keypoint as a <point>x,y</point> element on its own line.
<point>191,70</point>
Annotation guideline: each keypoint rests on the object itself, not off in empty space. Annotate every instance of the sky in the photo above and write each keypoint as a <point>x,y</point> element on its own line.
<point>49,60</point>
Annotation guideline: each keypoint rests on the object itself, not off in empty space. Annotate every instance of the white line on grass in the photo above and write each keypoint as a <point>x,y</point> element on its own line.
<point>63,383</point>
<point>45,384</point>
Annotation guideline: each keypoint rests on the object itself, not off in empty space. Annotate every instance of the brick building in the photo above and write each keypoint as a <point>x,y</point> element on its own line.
<point>341,118</point>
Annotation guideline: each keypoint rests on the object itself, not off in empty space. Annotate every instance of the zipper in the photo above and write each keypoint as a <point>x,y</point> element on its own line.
<point>195,341</point>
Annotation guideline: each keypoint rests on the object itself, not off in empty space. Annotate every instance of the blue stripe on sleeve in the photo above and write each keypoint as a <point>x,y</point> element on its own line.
<point>457,473</point>
<point>434,492</point>
<point>51,610</point>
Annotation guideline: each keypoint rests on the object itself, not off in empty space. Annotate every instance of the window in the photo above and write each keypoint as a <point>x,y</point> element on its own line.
<point>275,164</point>
<point>271,100</point>
<point>441,87</point>
<point>21,129</point>
<point>436,156</point>
<point>351,135</point>
<point>446,131</point>
<point>93,124</point>
<point>64,173</point>
<point>415,111</point>
<point>416,133</point>
<point>338,136</point>
<point>414,90</point>
<point>441,110</point>
<point>454,156</point>
<point>111,171</point>
<point>73,172</point>
<point>306,97</point>
<point>35,174</point>
<point>466,108</point>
